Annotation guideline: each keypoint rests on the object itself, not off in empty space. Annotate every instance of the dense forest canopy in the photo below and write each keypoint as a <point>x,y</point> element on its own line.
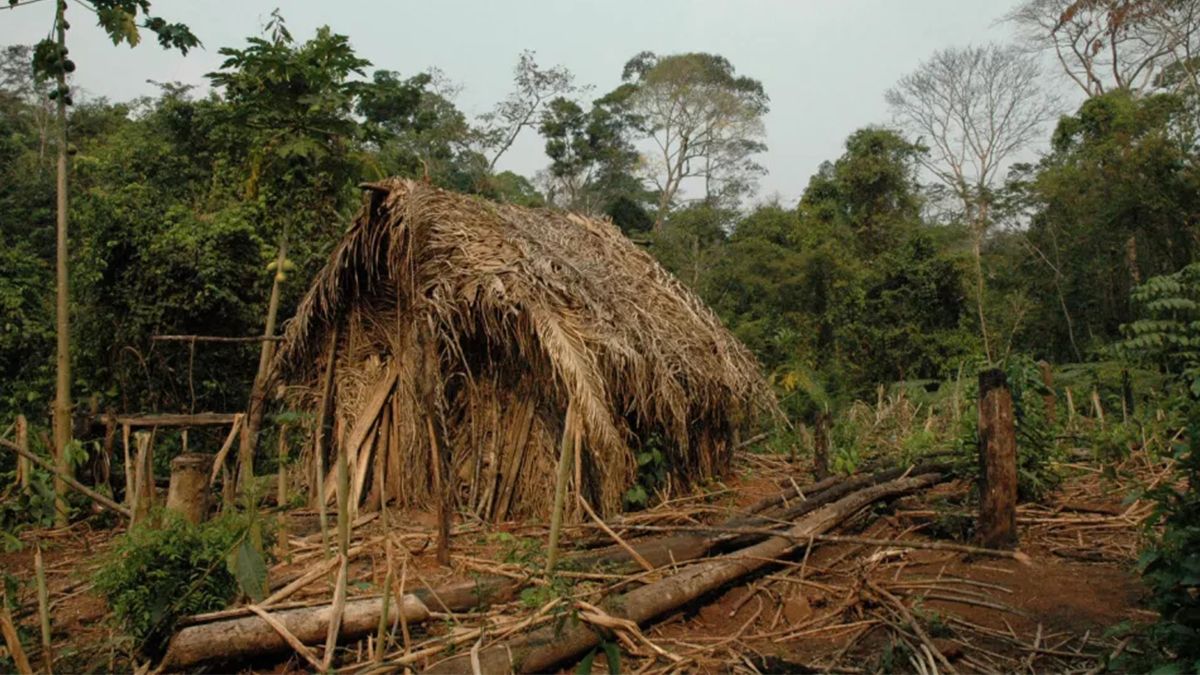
<point>181,201</point>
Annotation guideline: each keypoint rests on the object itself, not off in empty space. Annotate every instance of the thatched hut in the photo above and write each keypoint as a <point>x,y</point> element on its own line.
<point>475,328</point>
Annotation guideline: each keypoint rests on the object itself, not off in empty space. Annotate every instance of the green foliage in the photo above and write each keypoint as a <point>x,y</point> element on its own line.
<point>651,472</point>
<point>612,655</point>
<point>159,572</point>
<point>1166,333</point>
<point>1170,565</point>
<point>1117,200</point>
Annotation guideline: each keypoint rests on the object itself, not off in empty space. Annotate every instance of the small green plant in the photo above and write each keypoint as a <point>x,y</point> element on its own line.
<point>651,472</point>
<point>159,572</point>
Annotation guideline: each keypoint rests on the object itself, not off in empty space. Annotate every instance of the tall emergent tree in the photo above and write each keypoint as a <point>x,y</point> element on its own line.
<point>705,122</point>
<point>119,19</point>
<point>975,108</point>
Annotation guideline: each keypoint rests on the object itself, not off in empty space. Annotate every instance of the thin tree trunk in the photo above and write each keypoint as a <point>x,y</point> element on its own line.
<point>258,393</point>
<point>62,390</point>
<point>980,289</point>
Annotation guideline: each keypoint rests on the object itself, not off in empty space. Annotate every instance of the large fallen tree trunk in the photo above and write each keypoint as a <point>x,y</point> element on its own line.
<point>548,647</point>
<point>195,644</point>
<point>251,635</point>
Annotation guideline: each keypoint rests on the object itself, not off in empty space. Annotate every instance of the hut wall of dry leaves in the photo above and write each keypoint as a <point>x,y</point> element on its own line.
<point>476,326</point>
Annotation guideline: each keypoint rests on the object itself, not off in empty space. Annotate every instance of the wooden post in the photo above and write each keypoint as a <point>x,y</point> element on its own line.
<point>1126,395</point>
<point>442,480</point>
<point>997,526</point>
<point>440,495</point>
<point>821,445</point>
<point>1070,408</point>
<point>24,466</point>
<point>143,476</point>
<point>188,492</point>
<point>1098,408</point>
<point>1049,399</point>
<point>281,496</point>
<point>43,596</point>
<point>560,486</point>
<point>320,433</point>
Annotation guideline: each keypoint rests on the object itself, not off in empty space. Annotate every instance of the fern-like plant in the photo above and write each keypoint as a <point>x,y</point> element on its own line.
<point>1167,333</point>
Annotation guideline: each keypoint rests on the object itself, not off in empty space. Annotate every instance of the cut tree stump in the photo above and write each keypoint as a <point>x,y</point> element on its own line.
<point>188,491</point>
<point>821,445</point>
<point>997,526</point>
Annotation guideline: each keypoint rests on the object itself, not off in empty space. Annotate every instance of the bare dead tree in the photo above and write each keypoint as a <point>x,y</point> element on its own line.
<point>1103,45</point>
<point>975,108</point>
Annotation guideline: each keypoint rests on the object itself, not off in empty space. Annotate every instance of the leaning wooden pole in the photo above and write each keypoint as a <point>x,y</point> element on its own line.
<point>258,390</point>
<point>321,433</point>
<point>566,452</point>
<point>997,526</point>
<point>69,480</point>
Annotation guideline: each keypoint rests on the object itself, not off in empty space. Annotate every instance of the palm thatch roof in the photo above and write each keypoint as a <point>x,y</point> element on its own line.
<point>491,321</point>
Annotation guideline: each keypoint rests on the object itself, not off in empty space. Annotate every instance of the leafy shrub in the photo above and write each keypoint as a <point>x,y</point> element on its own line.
<point>651,472</point>
<point>156,574</point>
<point>1170,565</point>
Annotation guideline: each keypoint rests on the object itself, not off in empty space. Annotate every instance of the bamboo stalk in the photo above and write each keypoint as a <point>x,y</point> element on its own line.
<point>43,596</point>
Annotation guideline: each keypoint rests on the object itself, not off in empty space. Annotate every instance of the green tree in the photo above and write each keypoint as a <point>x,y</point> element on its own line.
<point>1116,201</point>
<point>592,158</point>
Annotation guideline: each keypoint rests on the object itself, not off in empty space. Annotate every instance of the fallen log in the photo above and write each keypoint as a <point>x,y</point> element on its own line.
<point>196,643</point>
<point>238,638</point>
<point>545,649</point>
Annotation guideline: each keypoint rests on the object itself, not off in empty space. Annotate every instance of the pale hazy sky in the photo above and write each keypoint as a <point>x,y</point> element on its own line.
<point>825,64</point>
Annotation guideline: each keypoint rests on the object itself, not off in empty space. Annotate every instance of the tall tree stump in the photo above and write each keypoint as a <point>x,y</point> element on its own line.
<point>188,491</point>
<point>24,466</point>
<point>143,476</point>
<point>997,526</point>
<point>821,445</point>
<point>1049,399</point>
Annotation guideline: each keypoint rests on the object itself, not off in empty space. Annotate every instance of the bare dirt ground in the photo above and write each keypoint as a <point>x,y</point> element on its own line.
<point>843,607</point>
